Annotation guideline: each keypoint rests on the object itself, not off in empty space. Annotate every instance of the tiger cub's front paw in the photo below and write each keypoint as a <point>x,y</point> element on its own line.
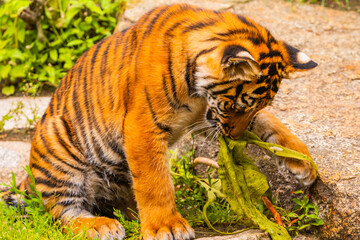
<point>302,170</point>
<point>98,228</point>
<point>173,227</point>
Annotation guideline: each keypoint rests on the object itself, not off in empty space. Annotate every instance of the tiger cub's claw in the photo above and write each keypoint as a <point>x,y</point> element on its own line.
<point>175,228</point>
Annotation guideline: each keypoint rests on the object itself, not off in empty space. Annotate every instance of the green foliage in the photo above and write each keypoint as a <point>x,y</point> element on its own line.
<point>132,228</point>
<point>70,27</point>
<point>302,216</point>
<point>192,191</point>
<point>32,221</point>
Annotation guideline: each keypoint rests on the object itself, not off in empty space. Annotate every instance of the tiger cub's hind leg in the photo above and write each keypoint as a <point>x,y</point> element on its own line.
<point>270,129</point>
<point>64,177</point>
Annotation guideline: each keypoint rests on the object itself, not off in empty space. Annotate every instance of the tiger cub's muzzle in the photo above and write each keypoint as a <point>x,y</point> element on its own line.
<point>234,125</point>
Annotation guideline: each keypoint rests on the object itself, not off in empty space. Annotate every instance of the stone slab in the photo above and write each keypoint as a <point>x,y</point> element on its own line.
<point>253,234</point>
<point>31,107</point>
<point>14,156</point>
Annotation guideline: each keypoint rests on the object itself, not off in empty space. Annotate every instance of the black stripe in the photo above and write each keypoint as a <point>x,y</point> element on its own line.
<point>212,85</point>
<point>266,136</point>
<point>202,52</point>
<point>169,100</point>
<point>92,121</point>
<point>244,20</point>
<point>264,65</point>
<point>104,60</point>
<point>117,148</point>
<point>51,153</point>
<point>173,86</point>
<point>163,127</point>
<point>43,118</point>
<point>271,54</point>
<point>214,39</point>
<point>51,107</point>
<point>67,147</point>
<point>65,203</point>
<point>199,25</point>
<point>46,182</point>
<point>171,14</point>
<point>98,150</point>
<point>177,103</point>
<point>150,26</point>
<point>275,87</point>
<point>47,160</point>
<point>233,32</point>
<point>126,96</point>
<point>62,194</point>
<point>52,177</point>
<point>239,88</point>
<point>260,90</point>
<point>256,40</point>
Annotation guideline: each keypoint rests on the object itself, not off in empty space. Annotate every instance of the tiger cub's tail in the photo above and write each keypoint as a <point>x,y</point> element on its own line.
<point>15,198</point>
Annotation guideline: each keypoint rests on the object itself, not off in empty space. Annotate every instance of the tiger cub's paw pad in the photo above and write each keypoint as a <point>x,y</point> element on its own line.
<point>99,227</point>
<point>177,229</point>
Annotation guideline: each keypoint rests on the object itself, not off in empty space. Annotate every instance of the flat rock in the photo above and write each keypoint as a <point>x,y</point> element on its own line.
<point>253,234</point>
<point>14,156</point>
<point>28,110</point>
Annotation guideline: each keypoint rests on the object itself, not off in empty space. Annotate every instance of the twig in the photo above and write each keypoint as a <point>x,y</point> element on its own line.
<point>206,161</point>
<point>276,215</point>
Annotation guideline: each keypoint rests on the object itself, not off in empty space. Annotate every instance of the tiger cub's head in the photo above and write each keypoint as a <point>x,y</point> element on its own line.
<point>242,75</point>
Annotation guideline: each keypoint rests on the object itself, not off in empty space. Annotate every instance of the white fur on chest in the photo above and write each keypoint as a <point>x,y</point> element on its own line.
<point>183,120</point>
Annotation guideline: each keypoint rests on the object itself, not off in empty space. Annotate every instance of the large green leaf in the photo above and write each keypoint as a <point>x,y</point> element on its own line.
<point>8,90</point>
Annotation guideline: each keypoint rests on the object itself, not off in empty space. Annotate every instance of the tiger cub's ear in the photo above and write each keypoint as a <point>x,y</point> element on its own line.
<point>237,63</point>
<point>298,60</point>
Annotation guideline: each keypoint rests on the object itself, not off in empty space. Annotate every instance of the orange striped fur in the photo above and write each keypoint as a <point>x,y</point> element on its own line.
<point>102,141</point>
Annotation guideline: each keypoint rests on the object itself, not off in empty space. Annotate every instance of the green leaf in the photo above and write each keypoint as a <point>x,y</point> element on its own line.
<point>278,149</point>
<point>293,215</point>
<point>302,216</point>
<point>75,42</point>
<point>8,90</point>
<point>4,71</point>
<point>3,44</point>
<point>70,14</point>
<point>304,226</point>
<point>316,210</point>
<point>305,201</point>
<point>15,54</point>
<point>53,55</point>
<point>18,71</point>
<point>21,31</point>
<point>93,7</point>
<point>43,58</point>
<point>318,222</point>
<point>297,201</point>
<point>88,20</point>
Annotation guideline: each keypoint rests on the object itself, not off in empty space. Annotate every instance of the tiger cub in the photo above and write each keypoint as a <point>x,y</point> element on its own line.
<point>102,141</point>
